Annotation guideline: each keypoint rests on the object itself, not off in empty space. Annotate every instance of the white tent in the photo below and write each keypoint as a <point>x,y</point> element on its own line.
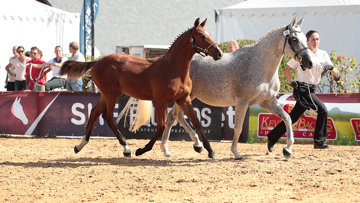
<point>337,21</point>
<point>29,23</point>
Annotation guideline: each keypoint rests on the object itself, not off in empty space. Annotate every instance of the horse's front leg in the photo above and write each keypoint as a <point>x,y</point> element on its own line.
<point>275,108</point>
<point>240,112</point>
<point>94,115</point>
<point>187,107</point>
<point>160,109</point>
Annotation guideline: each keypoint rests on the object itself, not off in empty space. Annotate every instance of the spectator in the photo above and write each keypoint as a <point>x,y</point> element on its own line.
<point>75,85</point>
<point>27,54</point>
<point>36,55</point>
<point>55,65</point>
<point>20,66</point>
<point>10,81</point>
<point>233,46</point>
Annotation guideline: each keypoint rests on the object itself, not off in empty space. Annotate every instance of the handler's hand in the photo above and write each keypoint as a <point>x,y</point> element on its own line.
<point>293,84</point>
<point>328,67</point>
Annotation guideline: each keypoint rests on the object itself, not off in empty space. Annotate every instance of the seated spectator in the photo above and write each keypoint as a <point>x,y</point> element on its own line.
<point>55,64</point>
<point>20,66</point>
<point>36,54</point>
<point>10,81</point>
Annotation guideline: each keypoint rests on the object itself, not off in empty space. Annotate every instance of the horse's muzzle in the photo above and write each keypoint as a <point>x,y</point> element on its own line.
<point>217,54</point>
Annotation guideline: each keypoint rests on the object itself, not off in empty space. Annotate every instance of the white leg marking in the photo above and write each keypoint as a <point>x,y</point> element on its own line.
<point>82,144</point>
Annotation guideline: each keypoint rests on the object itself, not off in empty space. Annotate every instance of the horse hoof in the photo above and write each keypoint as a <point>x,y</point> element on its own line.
<point>212,155</point>
<point>76,150</point>
<point>286,153</point>
<point>138,152</point>
<point>127,154</point>
<point>239,159</point>
<point>198,149</point>
<point>270,145</point>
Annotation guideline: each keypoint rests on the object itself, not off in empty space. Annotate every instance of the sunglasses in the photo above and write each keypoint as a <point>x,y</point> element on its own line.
<point>20,52</point>
<point>33,53</point>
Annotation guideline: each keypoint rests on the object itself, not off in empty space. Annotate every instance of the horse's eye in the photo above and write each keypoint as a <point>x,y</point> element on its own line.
<point>202,37</point>
<point>295,39</point>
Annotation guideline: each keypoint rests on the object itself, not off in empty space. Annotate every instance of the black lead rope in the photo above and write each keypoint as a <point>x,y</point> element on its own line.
<point>197,47</point>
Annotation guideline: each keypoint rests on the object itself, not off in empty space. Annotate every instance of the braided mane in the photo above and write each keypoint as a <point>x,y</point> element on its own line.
<point>175,41</point>
<point>263,37</point>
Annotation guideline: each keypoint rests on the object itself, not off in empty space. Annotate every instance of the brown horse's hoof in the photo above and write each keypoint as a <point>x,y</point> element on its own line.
<point>127,154</point>
<point>212,155</point>
<point>76,150</point>
<point>139,152</point>
<point>198,149</point>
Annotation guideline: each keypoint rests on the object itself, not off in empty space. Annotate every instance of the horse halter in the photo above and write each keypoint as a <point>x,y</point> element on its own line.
<point>286,34</point>
<point>197,47</point>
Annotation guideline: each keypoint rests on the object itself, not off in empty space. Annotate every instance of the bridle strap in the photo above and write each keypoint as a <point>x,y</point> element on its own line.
<point>287,38</point>
<point>197,47</point>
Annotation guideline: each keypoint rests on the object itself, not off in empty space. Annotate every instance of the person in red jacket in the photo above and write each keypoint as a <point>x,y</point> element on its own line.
<point>35,56</point>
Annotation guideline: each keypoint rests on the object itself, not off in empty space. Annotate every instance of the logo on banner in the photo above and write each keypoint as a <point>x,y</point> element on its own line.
<point>18,111</point>
<point>303,129</point>
<point>355,123</point>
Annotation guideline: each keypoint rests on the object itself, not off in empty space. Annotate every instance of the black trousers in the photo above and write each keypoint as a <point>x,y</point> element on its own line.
<point>321,121</point>
<point>20,85</point>
<point>55,82</point>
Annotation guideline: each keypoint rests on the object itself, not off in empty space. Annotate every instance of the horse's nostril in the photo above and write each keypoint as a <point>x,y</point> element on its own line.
<point>220,55</point>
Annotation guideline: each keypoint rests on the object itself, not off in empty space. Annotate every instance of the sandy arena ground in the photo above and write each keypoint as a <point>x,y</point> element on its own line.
<point>47,170</point>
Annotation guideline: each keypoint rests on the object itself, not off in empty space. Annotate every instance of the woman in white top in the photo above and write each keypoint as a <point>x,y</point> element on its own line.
<point>304,89</point>
<point>20,67</point>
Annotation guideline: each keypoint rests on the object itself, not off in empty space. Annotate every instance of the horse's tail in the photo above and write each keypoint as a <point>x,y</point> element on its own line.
<point>143,113</point>
<point>75,69</point>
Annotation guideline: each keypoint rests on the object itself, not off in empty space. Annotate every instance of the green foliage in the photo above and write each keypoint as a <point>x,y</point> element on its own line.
<point>284,83</point>
<point>242,42</point>
<point>88,83</point>
<point>347,80</point>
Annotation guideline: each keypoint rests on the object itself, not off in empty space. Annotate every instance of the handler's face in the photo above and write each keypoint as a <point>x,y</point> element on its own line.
<point>314,41</point>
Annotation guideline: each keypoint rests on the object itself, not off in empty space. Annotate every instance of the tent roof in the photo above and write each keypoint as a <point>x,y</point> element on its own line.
<point>34,11</point>
<point>259,8</point>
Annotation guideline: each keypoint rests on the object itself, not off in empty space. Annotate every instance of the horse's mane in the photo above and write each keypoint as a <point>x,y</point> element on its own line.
<point>263,37</point>
<point>175,41</point>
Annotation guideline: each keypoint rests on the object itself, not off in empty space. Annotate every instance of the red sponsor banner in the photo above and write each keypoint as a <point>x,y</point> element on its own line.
<point>303,129</point>
<point>355,123</point>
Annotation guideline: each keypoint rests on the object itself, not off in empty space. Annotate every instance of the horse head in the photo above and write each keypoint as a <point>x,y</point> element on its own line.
<point>203,38</point>
<point>297,44</point>
<point>18,112</point>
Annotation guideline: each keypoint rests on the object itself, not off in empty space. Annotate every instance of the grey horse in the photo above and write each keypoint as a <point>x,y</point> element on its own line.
<point>243,78</point>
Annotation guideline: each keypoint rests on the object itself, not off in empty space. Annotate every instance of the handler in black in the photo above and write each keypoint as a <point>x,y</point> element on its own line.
<point>304,92</point>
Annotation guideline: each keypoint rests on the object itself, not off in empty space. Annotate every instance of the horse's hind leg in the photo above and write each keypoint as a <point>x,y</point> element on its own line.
<point>177,113</point>
<point>94,115</point>
<point>275,108</point>
<point>109,119</point>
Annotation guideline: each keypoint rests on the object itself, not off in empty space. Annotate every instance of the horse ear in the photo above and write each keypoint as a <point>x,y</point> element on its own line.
<point>203,23</point>
<point>197,21</point>
<point>293,22</point>
<point>300,22</point>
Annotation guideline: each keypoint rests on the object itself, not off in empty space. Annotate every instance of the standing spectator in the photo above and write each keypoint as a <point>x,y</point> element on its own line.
<point>76,84</point>
<point>10,81</point>
<point>55,65</point>
<point>35,55</point>
<point>20,66</point>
